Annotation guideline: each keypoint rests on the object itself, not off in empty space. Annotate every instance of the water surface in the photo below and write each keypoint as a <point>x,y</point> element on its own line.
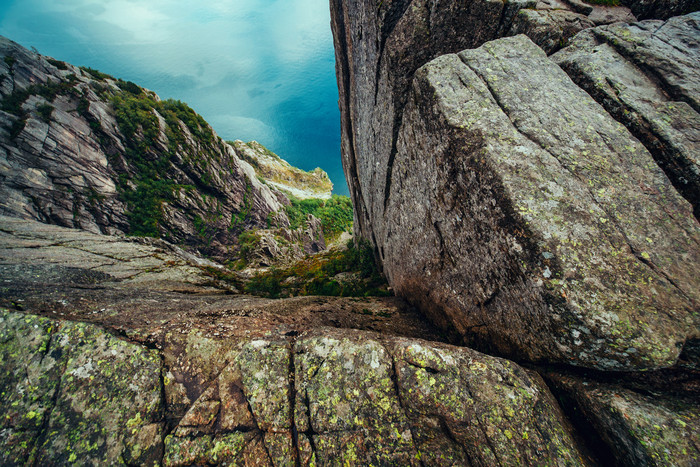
<point>254,69</point>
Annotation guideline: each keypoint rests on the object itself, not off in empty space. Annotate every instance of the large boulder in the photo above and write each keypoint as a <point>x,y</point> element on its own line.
<point>525,217</point>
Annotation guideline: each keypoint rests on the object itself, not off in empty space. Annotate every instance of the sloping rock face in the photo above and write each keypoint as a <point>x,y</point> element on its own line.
<point>547,231</point>
<point>506,203</point>
<point>112,369</point>
<point>279,174</point>
<point>379,46</point>
<point>81,149</point>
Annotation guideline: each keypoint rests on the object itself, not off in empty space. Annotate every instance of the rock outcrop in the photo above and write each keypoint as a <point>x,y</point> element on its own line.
<point>117,369</point>
<point>509,205</point>
<point>81,149</point>
<point>279,174</point>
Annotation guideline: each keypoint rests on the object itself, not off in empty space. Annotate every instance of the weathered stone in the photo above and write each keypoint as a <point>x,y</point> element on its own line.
<point>532,222</point>
<point>646,76</point>
<point>638,428</point>
<point>64,168</point>
<point>279,174</point>
<point>550,29</point>
<point>84,395</point>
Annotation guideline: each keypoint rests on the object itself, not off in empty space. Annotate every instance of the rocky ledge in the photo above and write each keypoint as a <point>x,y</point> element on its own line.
<point>123,351</point>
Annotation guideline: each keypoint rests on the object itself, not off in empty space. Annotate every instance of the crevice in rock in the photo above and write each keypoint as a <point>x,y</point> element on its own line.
<point>673,165</point>
<point>292,402</point>
<point>43,431</point>
<point>394,375</point>
<point>584,431</point>
<point>391,19</point>
<point>651,73</point>
<point>351,158</point>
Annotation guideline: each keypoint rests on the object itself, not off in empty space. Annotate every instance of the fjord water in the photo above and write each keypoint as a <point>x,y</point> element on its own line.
<point>254,69</point>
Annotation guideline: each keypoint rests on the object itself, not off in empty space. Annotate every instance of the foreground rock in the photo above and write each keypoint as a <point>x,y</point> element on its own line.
<point>152,375</point>
<point>651,85</point>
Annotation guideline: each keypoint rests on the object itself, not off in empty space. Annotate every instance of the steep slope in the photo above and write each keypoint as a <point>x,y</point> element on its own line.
<point>279,174</point>
<point>81,149</point>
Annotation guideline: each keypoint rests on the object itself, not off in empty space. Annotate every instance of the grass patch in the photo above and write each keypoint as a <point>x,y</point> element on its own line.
<point>316,275</point>
<point>135,112</point>
<point>336,214</point>
<point>58,64</point>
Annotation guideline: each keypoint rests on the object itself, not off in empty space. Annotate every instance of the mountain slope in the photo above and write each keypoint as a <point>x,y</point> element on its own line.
<point>81,149</point>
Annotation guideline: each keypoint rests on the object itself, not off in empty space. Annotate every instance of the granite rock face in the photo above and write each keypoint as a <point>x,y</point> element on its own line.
<point>379,46</point>
<point>645,80</point>
<point>546,231</point>
<point>506,203</point>
<point>81,149</point>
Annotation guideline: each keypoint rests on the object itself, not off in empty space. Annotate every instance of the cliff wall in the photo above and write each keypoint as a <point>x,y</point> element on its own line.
<point>511,206</point>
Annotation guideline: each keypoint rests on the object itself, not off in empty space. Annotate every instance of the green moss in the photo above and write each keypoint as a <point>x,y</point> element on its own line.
<point>336,214</point>
<point>316,275</point>
<point>45,111</point>
<point>57,63</point>
<point>98,75</point>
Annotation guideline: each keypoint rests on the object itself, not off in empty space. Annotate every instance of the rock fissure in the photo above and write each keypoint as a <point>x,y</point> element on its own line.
<point>45,422</point>
<point>652,73</point>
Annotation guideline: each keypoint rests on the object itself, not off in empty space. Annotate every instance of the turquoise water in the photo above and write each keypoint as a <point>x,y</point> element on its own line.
<point>254,69</point>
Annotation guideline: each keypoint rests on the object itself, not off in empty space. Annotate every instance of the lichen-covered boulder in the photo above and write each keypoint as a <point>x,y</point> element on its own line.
<point>71,391</point>
<point>523,216</point>
<point>344,397</point>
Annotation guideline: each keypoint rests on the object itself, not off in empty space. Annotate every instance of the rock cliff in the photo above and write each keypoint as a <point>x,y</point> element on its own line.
<point>81,149</point>
<point>504,200</point>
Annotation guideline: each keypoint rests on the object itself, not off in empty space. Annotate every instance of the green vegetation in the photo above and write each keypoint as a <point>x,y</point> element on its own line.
<point>12,103</point>
<point>134,111</point>
<point>605,2</point>
<point>58,64</point>
<point>98,75</point>
<point>317,275</point>
<point>335,214</point>
<point>45,111</point>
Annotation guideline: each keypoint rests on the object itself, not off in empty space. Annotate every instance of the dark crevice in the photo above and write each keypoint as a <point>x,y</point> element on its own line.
<point>669,89</point>
<point>584,431</point>
<point>394,375</point>
<point>43,431</point>
<point>389,22</point>
<point>676,166</point>
<point>343,57</point>
<point>293,400</point>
